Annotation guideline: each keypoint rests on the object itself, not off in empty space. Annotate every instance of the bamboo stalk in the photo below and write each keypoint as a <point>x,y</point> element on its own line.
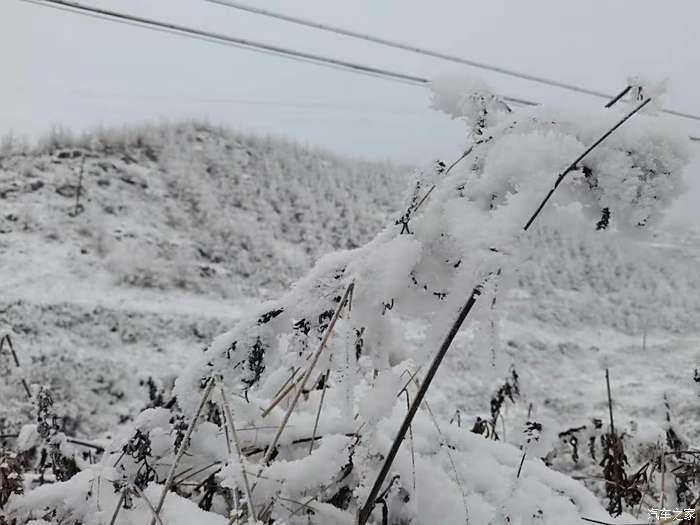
<point>232,427</point>
<point>183,446</point>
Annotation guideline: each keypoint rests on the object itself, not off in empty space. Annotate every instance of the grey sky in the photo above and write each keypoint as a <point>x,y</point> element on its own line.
<point>80,72</point>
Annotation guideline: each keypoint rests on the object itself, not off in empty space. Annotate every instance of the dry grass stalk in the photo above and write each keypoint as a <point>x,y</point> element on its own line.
<point>115,514</point>
<point>229,419</point>
<point>306,376</point>
<point>458,480</point>
<point>193,474</point>
<point>280,397</point>
<point>410,437</point>
<point>8,339</point>
<point>233,517</point>
<point>320,407</point>
<point>663,479</point>
<point>290,378</point>
<point>140,493</point>
<point>425,197</point>
<point>183,446</point>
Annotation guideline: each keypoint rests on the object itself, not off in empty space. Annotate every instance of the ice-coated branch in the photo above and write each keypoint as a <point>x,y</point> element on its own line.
<point>366,510</point>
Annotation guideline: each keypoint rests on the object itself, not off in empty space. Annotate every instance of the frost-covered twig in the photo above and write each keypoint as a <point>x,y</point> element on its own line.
<point>610,408</point>
<point>471,301</point>
<point>281,396</point>
<point>306,376</point>
<point>410,437</point>
<point>115,514</point>
<point>583,155</point>
<point>229,420</point>
<point>289,379</point>
<point>434,420</point>
<point>618,97</point>
<point>79,189</point>
<point>140,493</point>
<point>8,339</point>
<point>71,440</point>
<point>183,446</point>
<point>447,171</point>
<point>320,407</point>
<point>190,475</point>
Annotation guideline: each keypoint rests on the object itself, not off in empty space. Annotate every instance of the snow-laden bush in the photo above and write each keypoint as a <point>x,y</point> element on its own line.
<point>340,328</point>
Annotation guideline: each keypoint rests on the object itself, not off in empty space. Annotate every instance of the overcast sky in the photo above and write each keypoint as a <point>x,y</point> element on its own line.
<point>80,72</point>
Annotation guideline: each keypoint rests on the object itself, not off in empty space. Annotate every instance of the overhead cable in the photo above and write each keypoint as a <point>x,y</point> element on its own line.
<point>429,52</point>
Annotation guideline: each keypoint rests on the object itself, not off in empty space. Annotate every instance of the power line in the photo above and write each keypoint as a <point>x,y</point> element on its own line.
<point>294,104</point>
<point>217,38</point>
<point>241,43</point>
<point>431,53</point>
<point>149,23</point>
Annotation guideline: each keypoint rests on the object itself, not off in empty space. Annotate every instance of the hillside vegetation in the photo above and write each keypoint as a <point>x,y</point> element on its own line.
<point>204,209</point>
<point>125,253</point>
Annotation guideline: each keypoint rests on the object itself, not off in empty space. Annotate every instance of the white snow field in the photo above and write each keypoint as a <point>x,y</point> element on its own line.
<point>177,268</point>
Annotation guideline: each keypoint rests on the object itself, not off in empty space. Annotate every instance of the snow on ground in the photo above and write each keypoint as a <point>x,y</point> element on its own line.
<point>166,252</point>
<point>92,323</point>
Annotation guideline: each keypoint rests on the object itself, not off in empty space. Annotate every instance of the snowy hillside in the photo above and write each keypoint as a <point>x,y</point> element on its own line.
<point>181,232</point>
<point>177,226</point>
<point>205,209</point>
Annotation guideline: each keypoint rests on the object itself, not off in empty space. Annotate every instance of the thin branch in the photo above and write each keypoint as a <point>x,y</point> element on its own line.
<point>410,437</point>
<point>574,164</point>
<point>320,407</point>
<point>183,446</point>
<point>424,198</point>
<point>411,379</point>
<point>610,408</point>
<point>7,338</point>
<point>193,474</point>
<point>306,377</point>
<point>148,502</point>
<point>232,428</point>
<point>458,480</point>
<point>85,444</point>
<point>285,392</point>
<point>618,97</point>
<point>301,505</point>
<point>367,508</point>
<point>520,467</point>
<point>290,378</point>
<point>467,152</point>
<point>234,514</point>
<point>463,156</point>
<point>118,507</point>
